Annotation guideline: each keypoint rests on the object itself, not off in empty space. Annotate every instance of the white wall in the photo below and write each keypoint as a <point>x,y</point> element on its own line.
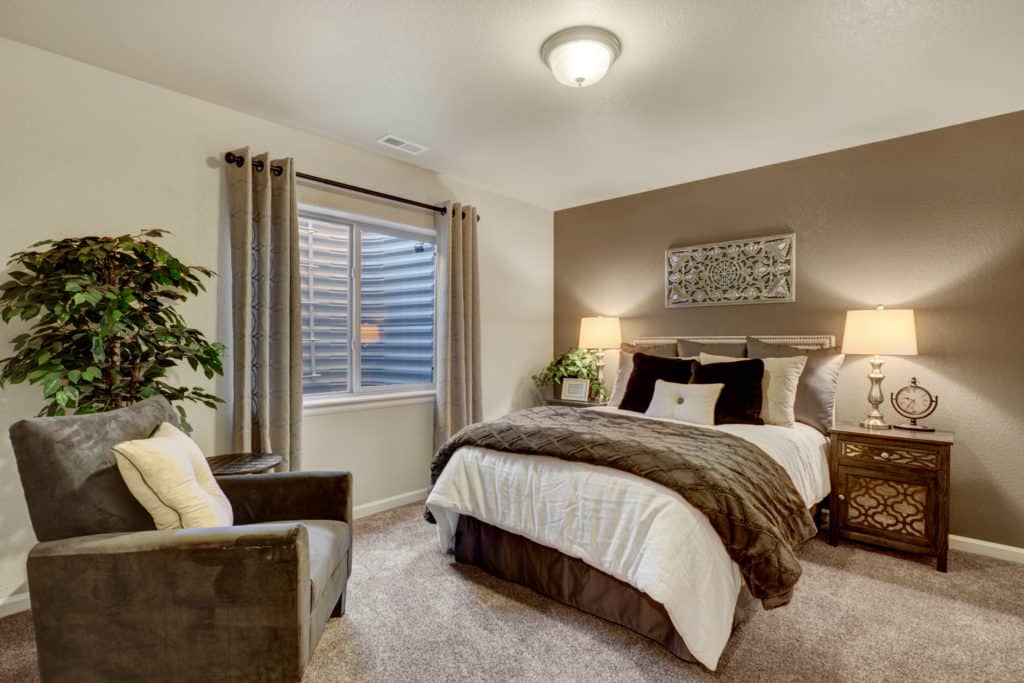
<point>86,151</point>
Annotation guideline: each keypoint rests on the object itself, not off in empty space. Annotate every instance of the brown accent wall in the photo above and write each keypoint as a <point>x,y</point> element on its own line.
<point>933,221</point>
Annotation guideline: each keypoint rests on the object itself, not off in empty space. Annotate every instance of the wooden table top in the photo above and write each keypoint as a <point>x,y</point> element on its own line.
<point>244,463</point>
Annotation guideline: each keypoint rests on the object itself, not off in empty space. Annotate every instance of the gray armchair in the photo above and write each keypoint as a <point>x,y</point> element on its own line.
<point>115,600</point>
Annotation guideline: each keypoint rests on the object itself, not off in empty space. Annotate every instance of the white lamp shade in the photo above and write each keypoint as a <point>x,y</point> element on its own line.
<point>600,333</point>
<point>580,56</point>
<point>880,332</point>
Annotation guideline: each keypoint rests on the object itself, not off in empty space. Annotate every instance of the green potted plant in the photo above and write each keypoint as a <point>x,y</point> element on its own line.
<point>574,363</point>
<point>104,329</point>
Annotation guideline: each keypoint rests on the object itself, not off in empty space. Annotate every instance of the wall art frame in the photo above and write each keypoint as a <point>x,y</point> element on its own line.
<point>755,270</point>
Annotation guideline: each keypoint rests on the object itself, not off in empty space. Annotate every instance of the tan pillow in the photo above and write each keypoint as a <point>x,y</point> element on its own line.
<point>781,378</point>
<point>169,476</point>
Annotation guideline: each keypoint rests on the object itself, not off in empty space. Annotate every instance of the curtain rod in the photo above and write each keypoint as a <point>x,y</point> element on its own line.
<point>257,165</point>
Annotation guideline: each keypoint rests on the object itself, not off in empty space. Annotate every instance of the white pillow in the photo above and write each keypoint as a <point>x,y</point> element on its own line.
<point>778,389</point>
<point>621,378</point>
<point>168,474</point>
<point>687,402</point>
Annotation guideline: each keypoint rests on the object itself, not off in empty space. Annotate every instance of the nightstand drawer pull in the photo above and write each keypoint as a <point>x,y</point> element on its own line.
<point>842,497</point>
<point>923,458</point>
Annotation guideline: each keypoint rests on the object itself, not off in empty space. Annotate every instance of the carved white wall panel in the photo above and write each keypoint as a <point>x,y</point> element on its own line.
<point>759,270</point>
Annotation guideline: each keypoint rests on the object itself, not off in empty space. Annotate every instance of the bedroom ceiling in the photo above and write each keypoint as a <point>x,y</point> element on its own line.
<point>701,88</point>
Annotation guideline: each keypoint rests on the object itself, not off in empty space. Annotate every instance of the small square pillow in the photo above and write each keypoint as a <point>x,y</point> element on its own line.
<point>741,398</point>
<point>781,378</point>
<point>687,402</point>
<point>169,476</point>
<point>646,371</point>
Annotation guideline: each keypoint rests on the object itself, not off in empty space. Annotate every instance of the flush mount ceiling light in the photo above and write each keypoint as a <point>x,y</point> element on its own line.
<point>581,55</point>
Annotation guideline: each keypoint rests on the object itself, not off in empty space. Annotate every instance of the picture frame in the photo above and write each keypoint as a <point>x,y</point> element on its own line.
<point>575,389</point>
<point>756,270</point>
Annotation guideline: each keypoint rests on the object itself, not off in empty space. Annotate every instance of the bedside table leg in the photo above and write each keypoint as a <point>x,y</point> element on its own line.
<point>941,562</point>
<point>833,520</point>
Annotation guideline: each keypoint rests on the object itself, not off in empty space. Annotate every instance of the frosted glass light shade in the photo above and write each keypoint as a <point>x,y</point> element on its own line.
<point>600,333</point>
<point>580,56</point>
<point>880,332</point>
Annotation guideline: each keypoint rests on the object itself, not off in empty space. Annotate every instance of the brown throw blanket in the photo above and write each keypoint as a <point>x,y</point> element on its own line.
<point>748,497</point>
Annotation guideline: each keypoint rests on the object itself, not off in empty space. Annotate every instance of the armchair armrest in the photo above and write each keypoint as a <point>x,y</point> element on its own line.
<point>289,495</point>
<point>196,540</point>
<point>242,592</point>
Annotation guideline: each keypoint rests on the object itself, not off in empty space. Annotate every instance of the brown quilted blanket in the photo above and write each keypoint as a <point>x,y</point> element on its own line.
<point>748,497</point>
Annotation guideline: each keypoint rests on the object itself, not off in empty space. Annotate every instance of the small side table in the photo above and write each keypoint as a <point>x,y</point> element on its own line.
<point>243,463</point>
<point>574,404</point>
<point>891,488</point>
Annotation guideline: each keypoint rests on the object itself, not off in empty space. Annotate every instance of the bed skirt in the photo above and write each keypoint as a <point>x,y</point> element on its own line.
<point>573,582</point>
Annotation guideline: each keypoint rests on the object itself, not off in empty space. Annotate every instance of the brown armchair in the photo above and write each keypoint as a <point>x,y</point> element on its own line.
<point>115,600</point>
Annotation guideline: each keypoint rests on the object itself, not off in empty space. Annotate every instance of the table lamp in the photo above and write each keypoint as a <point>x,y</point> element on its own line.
<point>600,333</point>
<point>876,333</point>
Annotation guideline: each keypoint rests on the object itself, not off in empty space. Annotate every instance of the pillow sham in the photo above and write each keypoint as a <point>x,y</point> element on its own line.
<point>168,474</point>
<point>778,388</point>
<point>816,391</point>
<point>687,402</point>
<point>741,397</point>
<point>626,352</point>
<point>646,371</point>
<point>692,348</point>
<point>667,350</point>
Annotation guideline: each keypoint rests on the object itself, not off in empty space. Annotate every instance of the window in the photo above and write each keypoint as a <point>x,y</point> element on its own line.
<point>367,305</point>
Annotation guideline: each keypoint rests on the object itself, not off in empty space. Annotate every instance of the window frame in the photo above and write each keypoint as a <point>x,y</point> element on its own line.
<point>394,394</point>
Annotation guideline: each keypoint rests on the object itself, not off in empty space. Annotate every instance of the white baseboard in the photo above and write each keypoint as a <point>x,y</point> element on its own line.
<point>388,503</point>
<point>13,604</point>
<point>987,548</point>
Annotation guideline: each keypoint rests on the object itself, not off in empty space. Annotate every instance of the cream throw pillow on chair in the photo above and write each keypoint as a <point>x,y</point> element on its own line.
<point>168,474</point>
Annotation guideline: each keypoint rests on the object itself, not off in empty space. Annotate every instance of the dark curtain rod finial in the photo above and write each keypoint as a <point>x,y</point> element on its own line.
<point>257,165</point>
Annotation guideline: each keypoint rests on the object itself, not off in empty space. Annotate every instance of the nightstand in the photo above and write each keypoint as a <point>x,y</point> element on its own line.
<point>891,488</point>
<point>574,404</point>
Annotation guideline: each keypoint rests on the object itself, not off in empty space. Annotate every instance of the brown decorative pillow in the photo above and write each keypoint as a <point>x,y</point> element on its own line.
<point>740,400</point>
<point>626,352</point>
<point>816,391</point>
<point>646,371</point>
<point>694,349</point>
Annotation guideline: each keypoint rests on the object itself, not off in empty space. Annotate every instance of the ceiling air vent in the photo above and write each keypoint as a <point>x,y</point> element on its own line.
<point>395,142</point>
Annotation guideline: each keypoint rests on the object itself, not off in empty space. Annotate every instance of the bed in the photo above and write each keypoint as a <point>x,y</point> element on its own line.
<point>611,543</point>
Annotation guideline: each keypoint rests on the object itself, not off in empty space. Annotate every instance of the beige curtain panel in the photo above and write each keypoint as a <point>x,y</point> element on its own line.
<point>265,308</point>
<point>458,323</point>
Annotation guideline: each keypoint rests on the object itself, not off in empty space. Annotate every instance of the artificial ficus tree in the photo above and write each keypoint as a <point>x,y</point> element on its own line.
<point>104,331</point>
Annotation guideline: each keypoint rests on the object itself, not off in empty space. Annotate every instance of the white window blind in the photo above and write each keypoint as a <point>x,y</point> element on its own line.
<point>396,310</point>
<point>324,249</point>
<point>387,275</point>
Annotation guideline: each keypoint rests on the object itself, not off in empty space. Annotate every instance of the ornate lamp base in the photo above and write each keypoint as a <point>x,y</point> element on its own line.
<point>873,422</point>
<point>875,419</point>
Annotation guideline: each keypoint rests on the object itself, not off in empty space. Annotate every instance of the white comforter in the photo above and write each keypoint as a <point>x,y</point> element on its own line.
<point>626,526</point>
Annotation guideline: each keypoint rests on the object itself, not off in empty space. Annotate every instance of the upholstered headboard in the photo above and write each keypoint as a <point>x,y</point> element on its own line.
<point>800,341</point>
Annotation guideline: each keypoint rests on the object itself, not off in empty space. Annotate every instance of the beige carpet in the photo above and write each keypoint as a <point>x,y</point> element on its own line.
<point>859,615</point>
